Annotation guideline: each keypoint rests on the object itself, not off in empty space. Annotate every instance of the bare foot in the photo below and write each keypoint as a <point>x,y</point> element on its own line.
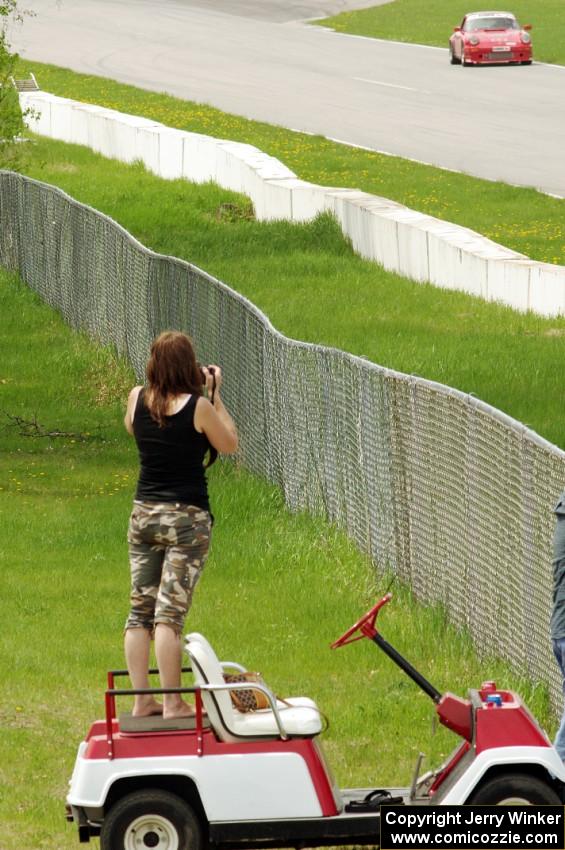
<point>180,710</point>
<point>147,709</point>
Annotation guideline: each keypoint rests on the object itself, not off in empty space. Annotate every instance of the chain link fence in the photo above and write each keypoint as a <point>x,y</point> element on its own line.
<point>448,493</point>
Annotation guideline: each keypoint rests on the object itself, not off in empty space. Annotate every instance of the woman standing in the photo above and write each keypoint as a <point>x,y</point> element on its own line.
<point>174,426</point>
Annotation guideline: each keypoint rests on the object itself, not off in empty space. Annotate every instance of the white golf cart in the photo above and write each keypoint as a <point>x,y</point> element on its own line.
<point>228,779</point>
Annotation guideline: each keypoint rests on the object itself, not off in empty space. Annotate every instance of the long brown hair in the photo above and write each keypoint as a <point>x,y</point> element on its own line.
<point>172,369</point>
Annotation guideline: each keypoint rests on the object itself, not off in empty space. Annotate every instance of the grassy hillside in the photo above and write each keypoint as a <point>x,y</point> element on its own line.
<point>313,287</point>
<point>522,219</point>
<point>277,589</point>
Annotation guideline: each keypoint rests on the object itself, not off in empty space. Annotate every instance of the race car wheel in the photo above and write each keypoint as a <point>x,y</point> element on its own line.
<point>526,62</point>
<point>151,819</point>
<point>515,789</point>
<point>452,59</point>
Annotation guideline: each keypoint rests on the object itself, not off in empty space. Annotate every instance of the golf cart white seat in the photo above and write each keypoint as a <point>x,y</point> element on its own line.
<point>300,718</point>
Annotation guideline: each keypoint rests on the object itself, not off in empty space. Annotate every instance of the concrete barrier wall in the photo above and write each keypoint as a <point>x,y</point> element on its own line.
<point>402,240</point>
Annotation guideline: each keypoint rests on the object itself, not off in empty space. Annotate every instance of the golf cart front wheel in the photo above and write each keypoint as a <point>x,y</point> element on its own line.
<point>153,819</point>
<point>515,789</point>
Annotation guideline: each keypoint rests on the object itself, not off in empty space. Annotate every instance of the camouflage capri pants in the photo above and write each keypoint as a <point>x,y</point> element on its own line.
<point>168,545</point>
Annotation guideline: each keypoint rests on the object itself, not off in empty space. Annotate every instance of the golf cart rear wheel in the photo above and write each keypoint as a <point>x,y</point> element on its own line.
<point>515,789</point>
<point>151,819</point>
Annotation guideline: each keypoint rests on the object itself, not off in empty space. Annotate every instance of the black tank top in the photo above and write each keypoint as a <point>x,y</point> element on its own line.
<point>172,457</point>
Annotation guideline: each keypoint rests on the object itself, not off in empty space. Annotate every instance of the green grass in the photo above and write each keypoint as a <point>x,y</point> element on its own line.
<point>313,287</point>
<point>522,219</point>
<point>277,589</point>
<point>433,22</point>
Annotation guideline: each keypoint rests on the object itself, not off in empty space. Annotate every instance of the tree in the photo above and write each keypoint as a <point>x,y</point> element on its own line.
<point>11,118</point>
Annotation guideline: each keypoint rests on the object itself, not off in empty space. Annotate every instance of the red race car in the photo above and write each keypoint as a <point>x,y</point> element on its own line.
<point>487,38</point>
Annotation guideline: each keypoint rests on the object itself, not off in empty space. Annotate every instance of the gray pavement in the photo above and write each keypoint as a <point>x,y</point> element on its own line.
<point>502,123</point>
<point>281,11</point>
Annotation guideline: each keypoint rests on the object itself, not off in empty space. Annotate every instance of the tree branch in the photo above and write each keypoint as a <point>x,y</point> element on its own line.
<point>32,428</point>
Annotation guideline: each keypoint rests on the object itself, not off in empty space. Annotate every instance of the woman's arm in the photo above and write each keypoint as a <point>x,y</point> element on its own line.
<point>130,409</point>
<point>214,419</point>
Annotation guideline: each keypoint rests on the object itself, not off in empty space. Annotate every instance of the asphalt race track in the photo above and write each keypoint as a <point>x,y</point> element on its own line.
<point>258,58</point>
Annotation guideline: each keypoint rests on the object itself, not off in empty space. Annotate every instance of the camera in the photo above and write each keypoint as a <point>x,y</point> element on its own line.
<point>211,370</point>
